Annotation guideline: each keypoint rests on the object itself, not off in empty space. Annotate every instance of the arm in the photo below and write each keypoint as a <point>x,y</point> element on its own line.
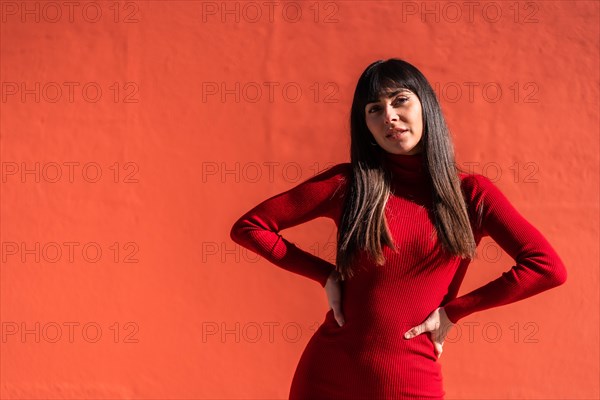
<point>258,229</point>
<point>538,267</point>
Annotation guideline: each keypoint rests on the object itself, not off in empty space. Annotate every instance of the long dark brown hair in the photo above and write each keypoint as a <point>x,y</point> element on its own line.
<point>363,225</point>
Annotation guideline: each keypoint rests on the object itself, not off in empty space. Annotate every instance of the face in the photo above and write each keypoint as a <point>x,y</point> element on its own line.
<point>396,122</point>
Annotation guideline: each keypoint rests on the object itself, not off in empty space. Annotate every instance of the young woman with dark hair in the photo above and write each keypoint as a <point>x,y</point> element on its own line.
<point>409,221</point>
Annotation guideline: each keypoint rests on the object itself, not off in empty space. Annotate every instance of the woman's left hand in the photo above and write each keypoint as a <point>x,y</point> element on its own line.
<point>438,324</point>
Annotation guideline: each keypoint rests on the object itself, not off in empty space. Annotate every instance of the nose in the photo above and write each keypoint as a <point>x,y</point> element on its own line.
<point>390,114</point>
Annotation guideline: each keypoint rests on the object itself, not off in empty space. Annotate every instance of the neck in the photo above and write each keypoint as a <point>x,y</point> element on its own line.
<point>407,168</point>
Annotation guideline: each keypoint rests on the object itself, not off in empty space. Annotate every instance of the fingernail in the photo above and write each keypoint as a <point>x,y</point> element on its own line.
<point>407,335</point>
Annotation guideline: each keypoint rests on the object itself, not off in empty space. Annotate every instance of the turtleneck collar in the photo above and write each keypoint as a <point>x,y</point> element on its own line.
<point>407,168</point>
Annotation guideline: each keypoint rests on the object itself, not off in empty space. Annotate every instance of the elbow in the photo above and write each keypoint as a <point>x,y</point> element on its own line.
<point>235,234</point>
<point>552,272</point>
<point>559,275</point>
<point>562,277</point>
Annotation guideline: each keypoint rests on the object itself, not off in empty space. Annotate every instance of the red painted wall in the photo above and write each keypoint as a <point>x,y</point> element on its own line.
<point>134,134</point>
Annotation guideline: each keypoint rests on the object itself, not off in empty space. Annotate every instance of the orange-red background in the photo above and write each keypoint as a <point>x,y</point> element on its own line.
<point>206,318</point>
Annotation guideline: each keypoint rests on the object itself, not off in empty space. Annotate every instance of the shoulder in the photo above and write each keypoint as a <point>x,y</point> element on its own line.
<point>324,184</point>
<point>339,170</point>
<point>474,185</point>
<point>325,190</point>
<point>335,174</point>
<point>481,192</point>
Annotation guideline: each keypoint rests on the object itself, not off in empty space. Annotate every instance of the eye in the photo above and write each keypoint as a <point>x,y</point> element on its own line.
<point>400,100</point>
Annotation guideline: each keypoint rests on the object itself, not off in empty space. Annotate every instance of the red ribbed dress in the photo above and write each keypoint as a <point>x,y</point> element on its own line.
<point>368,357</point>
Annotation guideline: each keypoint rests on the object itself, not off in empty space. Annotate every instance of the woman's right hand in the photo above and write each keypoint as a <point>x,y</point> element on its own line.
<point>333,289</point>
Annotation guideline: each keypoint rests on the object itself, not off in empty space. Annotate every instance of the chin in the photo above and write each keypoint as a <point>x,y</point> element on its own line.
<point>403,150</point>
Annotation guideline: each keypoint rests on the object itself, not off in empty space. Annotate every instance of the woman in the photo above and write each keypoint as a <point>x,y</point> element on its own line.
<point>409,221</point>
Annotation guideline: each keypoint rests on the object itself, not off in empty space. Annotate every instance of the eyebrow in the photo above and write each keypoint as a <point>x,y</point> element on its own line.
<point>392,94</point>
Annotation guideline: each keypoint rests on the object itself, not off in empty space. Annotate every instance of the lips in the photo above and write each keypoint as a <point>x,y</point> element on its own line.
<point>396,131</point>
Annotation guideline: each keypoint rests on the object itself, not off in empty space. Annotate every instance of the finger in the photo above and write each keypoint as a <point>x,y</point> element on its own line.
<point>436,337</point>
<point>337,314</point>
<point>438,348</point>
<point>415,331</point>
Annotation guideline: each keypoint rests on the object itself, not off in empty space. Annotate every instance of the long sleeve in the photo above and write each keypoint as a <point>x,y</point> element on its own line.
<point>538,267</point>
<point>258,229</point>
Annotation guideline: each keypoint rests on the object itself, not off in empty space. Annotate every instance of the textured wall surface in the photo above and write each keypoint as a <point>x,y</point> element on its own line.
<point>133,135</point>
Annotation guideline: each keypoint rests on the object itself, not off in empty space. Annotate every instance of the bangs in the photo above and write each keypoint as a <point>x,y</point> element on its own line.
<point>384,80</point>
